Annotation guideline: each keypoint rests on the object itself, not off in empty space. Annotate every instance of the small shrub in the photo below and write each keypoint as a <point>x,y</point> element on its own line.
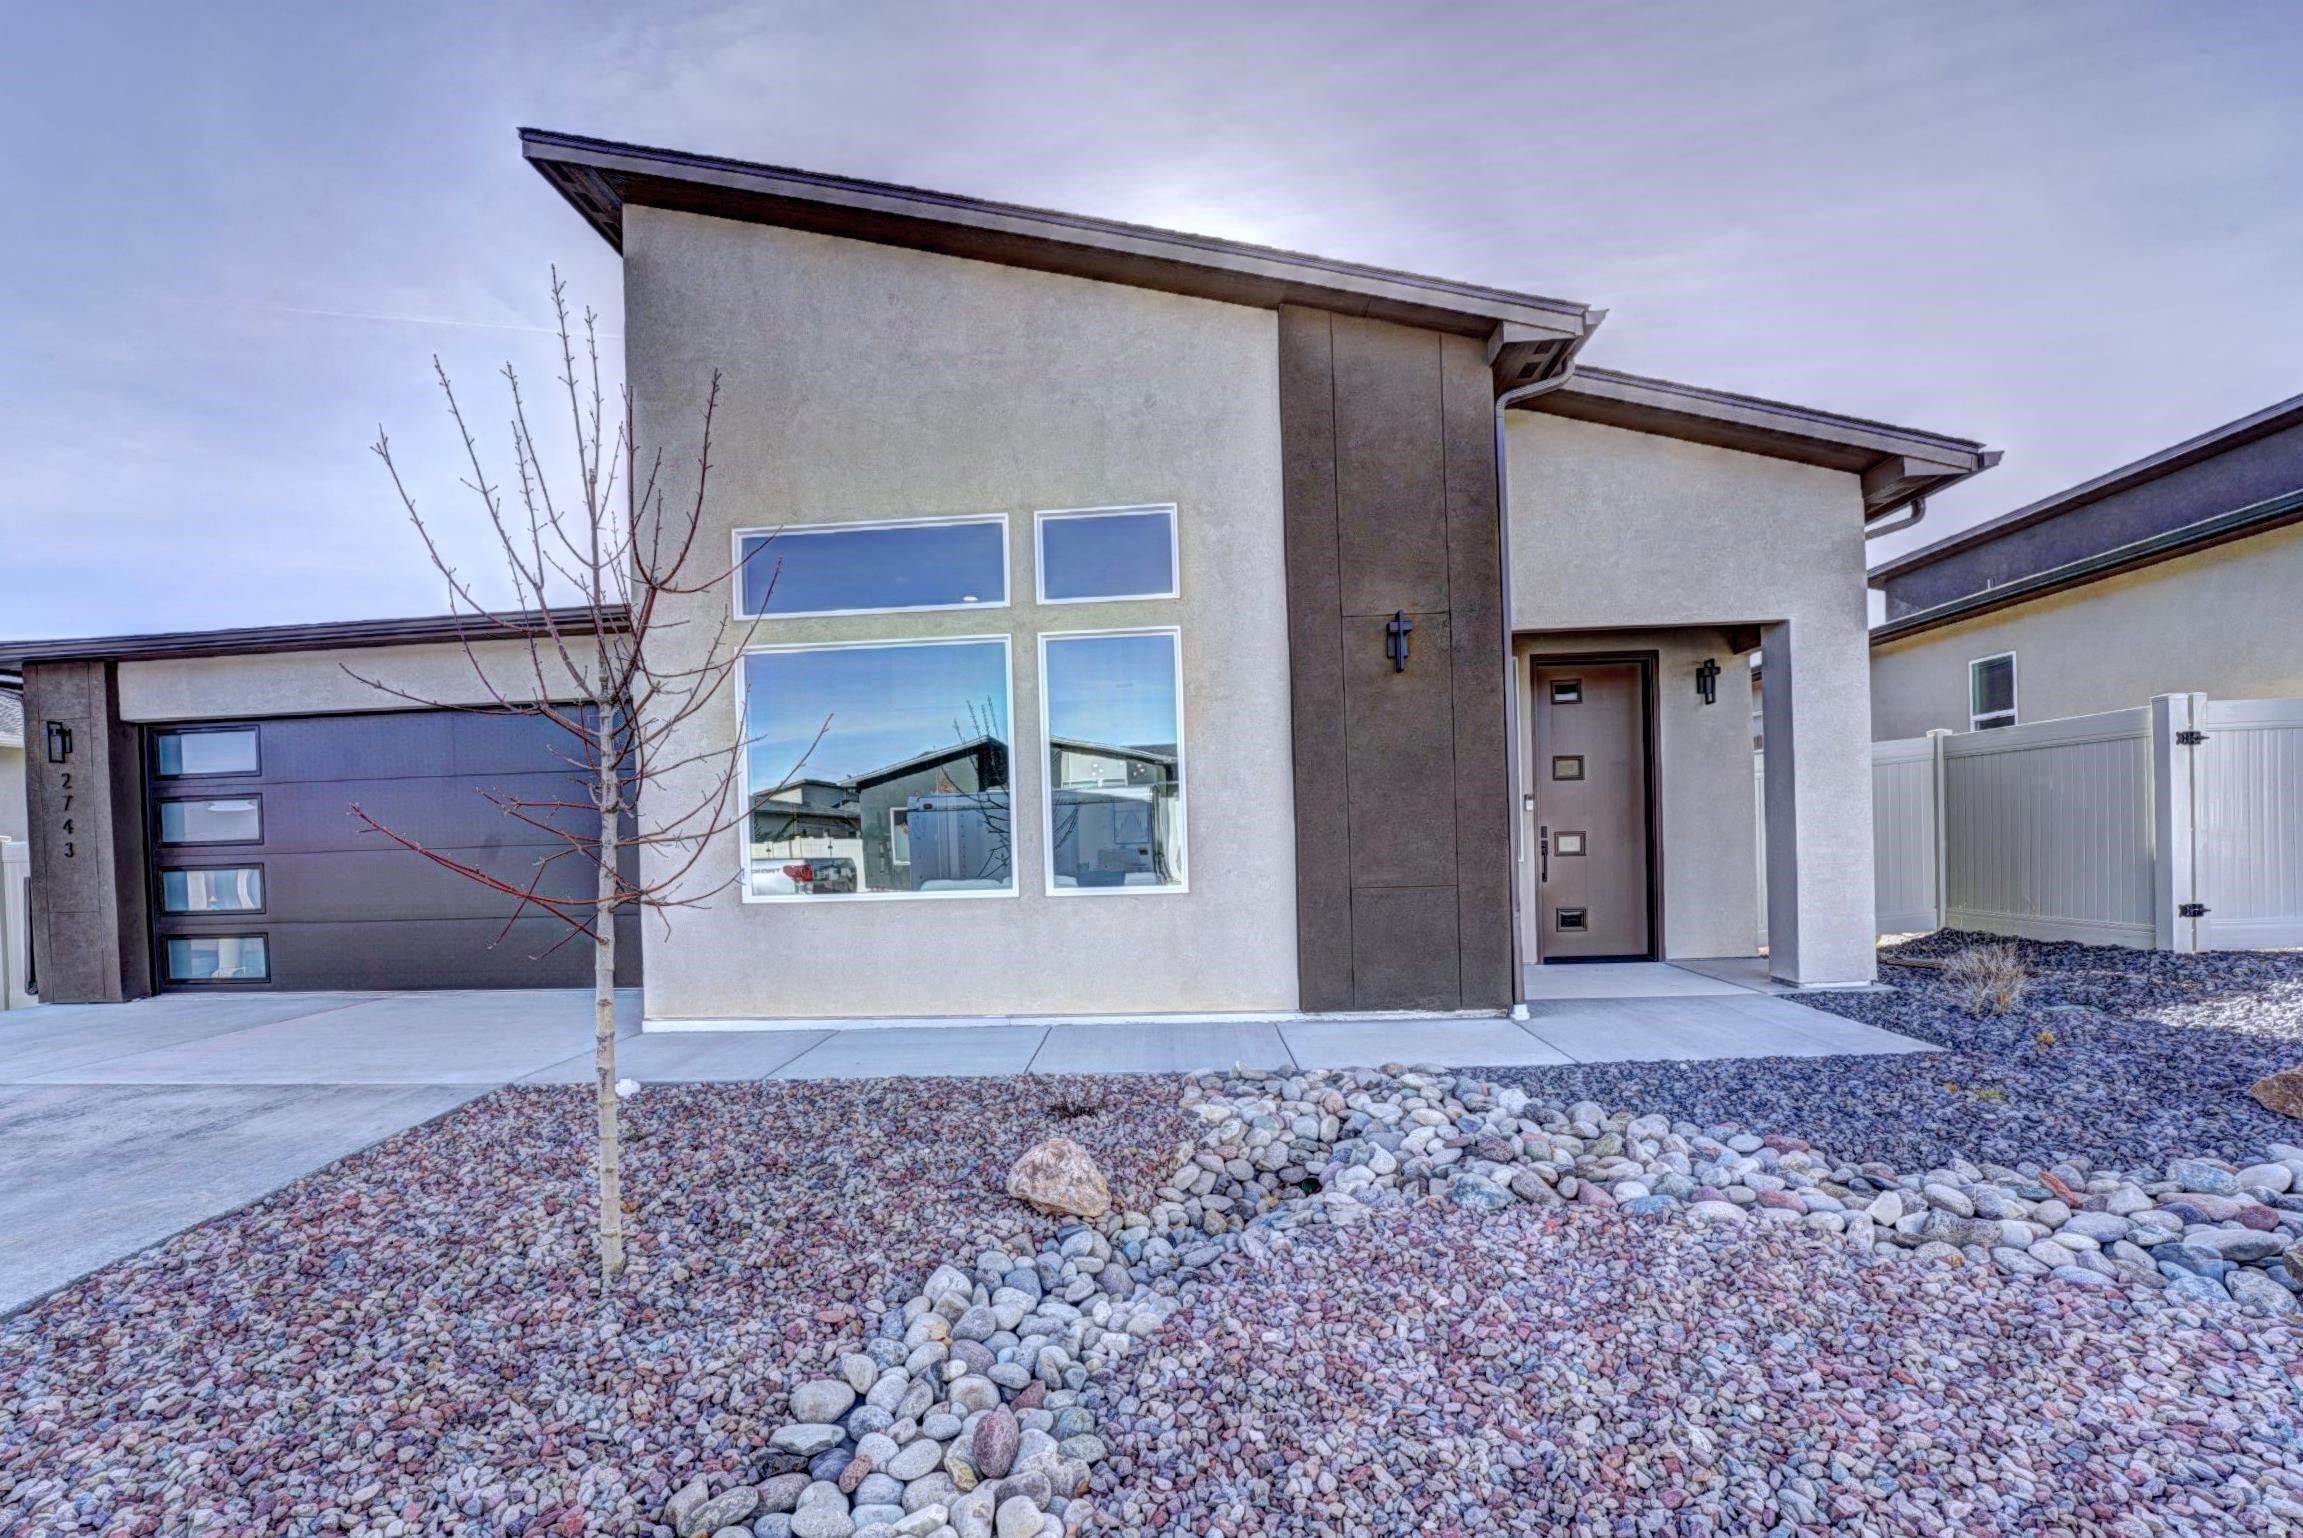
<point>1987,979</point>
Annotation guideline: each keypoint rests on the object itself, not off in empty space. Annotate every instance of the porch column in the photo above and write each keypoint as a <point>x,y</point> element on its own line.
<point>1815,701</point>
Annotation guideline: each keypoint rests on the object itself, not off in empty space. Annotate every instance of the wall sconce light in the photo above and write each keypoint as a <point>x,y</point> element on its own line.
<point>1707,680</point>
<point>1395,633</point>
<point>59,743</point>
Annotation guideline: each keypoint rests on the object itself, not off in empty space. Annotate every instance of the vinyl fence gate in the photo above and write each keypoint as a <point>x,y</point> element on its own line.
<point>2175,826</point>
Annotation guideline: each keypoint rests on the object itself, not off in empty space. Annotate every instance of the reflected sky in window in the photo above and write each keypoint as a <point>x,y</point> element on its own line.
<point>1113,689</point>
<point>916,566</point>
<point>1107,555</point>
<point>884,704</point>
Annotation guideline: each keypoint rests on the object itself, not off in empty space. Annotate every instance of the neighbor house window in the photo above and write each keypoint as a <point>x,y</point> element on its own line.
<point>213,889</point>
<point>218,959</point>
<point>878,769</point>
<point>1105,553</point>
<point>1113,717</point>
<point>213,820</point>
<point>860,568</point>
<point>204,751</point>
<point>1991,692</point>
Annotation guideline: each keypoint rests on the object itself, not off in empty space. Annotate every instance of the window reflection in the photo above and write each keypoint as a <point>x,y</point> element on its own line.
<point>223,889</point>
<point>879,769</point>
<point>1121,553</point>
<point>1115,762</point>
<point>920,565</point>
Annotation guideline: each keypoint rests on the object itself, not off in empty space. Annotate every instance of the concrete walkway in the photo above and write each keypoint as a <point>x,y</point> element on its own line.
<point>122,1124</point>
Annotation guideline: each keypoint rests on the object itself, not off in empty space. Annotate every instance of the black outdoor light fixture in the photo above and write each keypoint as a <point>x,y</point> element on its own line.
<point>1707,680</point>
<point>1395,634</point>
<point>59,743</point>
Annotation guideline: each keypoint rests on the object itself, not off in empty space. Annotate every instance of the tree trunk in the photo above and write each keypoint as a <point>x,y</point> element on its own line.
<point>604,1013</point>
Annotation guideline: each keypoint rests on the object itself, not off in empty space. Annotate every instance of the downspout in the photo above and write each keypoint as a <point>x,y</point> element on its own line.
<point>1918,511</point>
<point>1511,723</point>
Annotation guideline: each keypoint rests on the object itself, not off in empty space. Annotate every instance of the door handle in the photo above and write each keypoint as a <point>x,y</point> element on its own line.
<point>1543,846</point>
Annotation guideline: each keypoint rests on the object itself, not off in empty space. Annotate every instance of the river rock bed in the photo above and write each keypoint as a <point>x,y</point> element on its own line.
<point>2125,1057</point>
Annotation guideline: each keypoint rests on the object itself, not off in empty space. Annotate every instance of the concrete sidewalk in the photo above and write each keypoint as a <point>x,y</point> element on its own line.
<point>122,1124</point>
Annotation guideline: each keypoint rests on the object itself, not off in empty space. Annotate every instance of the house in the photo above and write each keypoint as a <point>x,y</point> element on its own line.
<point>1199,627</point>
<point>2175,574</point>
<point>12,823</point>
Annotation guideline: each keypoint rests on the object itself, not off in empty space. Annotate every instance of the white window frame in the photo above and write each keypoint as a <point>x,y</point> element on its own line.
<point>743,828</point>
<point>771,533</point>
<point>2014,694</point>
<point>1041,518</point>
<point>1048,779</point>
<point>899,819</point>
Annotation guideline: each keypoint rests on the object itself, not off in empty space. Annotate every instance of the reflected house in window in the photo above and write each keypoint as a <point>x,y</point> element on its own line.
<point>806,836</point>
<point>1115,813</point>
<point>939,822</point>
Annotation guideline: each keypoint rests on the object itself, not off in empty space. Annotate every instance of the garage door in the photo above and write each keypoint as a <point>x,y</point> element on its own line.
<point>263,878</point>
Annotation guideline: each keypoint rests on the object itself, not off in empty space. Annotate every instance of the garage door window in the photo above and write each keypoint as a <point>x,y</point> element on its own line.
<point>213,820</point>
<point>218,889</point>
<point>207,751</point>
<point>218,959</point>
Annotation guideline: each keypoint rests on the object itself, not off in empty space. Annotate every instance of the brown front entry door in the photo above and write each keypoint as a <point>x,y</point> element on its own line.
<point>1591,811</point>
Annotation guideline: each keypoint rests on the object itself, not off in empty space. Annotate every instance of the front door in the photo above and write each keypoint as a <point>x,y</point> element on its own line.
<point>1591,811</point>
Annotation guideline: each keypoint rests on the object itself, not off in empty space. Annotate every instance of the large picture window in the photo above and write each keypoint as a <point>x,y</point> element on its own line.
<point>861,568</point>
<point>878,770</point>
<point>1113,715</point>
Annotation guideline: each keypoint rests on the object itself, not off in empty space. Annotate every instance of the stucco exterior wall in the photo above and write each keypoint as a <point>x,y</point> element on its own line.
<point>866,382</point>
<point>13,823</point>
<point>1706,820</point>
<point>1614,530</point>
<point>2219,622</point>
<point>322,682</point>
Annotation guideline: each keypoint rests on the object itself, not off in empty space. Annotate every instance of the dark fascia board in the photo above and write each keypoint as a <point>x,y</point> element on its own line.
<point>599,177</point>
<point>331,635</point>
<point>2220,440</point>
<point>1898,464</point>
<point>2257,518</point>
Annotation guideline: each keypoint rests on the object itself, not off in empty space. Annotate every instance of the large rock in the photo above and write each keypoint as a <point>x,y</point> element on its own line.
<point>1061,1177</point>
<point>2282,1093</point>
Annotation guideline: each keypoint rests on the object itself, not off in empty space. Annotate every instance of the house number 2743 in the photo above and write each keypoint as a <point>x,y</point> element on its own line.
<point>71,852</point>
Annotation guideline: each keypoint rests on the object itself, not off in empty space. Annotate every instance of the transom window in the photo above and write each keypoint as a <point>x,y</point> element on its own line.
<point>1111,713</point>
<point>1093,555</point>
<point>1991,692</point>
<point>864,568</point>
<point>879,769</point>
<point>190,752</point>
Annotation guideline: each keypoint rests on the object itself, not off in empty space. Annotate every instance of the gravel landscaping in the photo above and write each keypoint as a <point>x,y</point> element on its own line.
<point>2145,1056</point>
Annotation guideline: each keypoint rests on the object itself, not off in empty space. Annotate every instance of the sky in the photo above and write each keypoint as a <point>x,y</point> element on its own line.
<point>238,234</point>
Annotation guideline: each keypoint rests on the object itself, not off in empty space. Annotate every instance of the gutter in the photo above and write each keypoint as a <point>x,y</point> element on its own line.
<point>1511,742</point>
<point>2258,518</point>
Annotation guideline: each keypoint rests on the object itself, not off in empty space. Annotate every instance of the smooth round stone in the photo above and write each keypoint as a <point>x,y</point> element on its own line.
<point>822,1520</point>
<point>1949,1199</point>
<point>1648,1205</point>
<point>863,1420</point>
<point>2017,1263</point>
<point>782,1493</point>
<point>2202,1176</point>
<point>2240,1246</point>
<point>822,1401</point>
<point>2102,1227</point>
<point>809,1440</point>
<point>2257,1290</point>
<point>860,1371</point>
<point>973,1393</point>
<point>917,1459</point>
<point>1717,1212</point>
<point>2192,1288</point>
<point>1019,1517</point>
<point>2082,1277</point>
<point>876,1446</point>
<point>878,1489</point>
<point>2267,1177</point>
<point>774,1525</point>
<point>935,1489</point>
<point>942,1426</point>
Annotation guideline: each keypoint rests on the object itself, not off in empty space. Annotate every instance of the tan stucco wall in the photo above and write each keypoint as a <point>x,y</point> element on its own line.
<point>2222,622</point>
<point>867,382</point>
<point>322,682</point>
<point>12,817</point>
<point>1704,795</point>
<point>1615,530</point>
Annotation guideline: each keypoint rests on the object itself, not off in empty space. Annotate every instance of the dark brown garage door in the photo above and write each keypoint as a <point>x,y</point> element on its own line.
<point>263,878</point>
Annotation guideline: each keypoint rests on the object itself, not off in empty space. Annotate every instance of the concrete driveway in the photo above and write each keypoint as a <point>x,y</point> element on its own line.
<point>121,1124</point>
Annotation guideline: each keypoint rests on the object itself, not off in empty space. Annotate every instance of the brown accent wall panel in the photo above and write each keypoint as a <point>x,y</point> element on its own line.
<point>1315,660</point>
<point>1390,468</point>
<point>1402,794</point>
<point>1482,662</point>
<point>1406,947</point>
<point>89,933</point>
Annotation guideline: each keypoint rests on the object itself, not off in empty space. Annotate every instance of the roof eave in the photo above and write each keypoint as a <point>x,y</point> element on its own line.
<point>599,178</point>
<point>328,635</point>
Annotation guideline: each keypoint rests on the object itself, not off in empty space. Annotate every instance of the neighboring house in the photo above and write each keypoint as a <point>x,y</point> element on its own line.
<point>2179,573</point>
<point>12,823</point>
<point>1159,604</point>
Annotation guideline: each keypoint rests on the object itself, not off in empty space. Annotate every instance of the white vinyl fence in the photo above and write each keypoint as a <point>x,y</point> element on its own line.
<point>2176,826</point>
<point>15,926</point>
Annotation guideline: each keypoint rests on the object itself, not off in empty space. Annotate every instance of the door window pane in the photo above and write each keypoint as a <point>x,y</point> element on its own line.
<point>879,769</point>
<point>219,889</point>
<point>224,820</point>
<point>875,566</point>
<point>1115,762</point>
<point>226,751</point>
<point>218,959</point>
<point>1124,553</point>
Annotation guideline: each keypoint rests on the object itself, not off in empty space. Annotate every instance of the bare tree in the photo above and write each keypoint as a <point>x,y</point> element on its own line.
<point>594,569</point>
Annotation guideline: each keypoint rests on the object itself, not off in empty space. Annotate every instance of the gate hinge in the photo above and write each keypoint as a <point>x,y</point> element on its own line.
<point>2190,739</point>
<point>2193,910</point>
